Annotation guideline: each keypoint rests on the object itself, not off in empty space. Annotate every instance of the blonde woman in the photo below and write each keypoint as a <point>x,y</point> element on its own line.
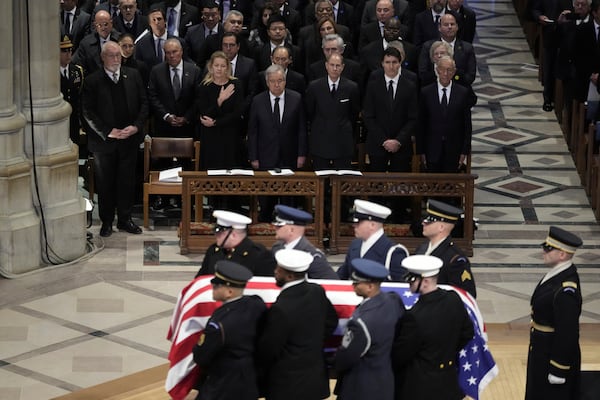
<point>220,106</point>
<point>438,50</point>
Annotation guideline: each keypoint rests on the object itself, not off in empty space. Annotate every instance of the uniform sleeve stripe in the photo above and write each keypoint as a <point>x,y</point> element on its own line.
<point>559,366</point>
<point>367,336</point>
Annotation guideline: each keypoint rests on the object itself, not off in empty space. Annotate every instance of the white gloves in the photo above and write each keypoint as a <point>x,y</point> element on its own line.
<point>555,380</point>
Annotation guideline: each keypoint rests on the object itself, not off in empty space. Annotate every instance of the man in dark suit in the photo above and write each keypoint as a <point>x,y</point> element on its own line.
<point>74,22</point>
<point>276,132</point>
<point>390,111</point>
<point>233,23</point>
<point>276,128</point>
<point>444,134</point>
<point>71,81</point>
<point>334,44</point>
<point>343,13</point>
<point>467,20</point>
<point>296,327</point>
<point>293,19</point>
<point>180,16</point>
<point>277,32</point>
<point>427,23</point>
<point>363,361</point>
<point>293,79</point>
<point>374,30</point>
<point>225,353</point>
<point>149,48</point>
<point>436,327</point>
<point>290,226</point>
<point>464,54</point>
<point>554,360</point>
<point>115,108</point>
<point>372,54</point>
<point>401,13</point>
<point>437,226</point>
<point>243,68</point>
<point>110,6</point>
<point>546,13</point>
<point>88,52</point>
<point>332,106</point>
<point>372,243</point>
<point>232,244</point>
<point>172,93</point>
<point>196,35</point>
<point>130,20</point>
<point>587,54</point>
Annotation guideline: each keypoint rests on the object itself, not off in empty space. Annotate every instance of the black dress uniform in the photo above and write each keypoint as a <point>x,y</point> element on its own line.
<point>554,338</point>
<point>433,331</point>
<point>456,270</point>
<point>290,348</point>
<point>429,338</point>
<point>225,352</point>
<point>70,87</point>
<point>253,256</point>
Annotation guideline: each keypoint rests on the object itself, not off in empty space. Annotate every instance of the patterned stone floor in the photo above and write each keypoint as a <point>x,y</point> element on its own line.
<point>71,327</point>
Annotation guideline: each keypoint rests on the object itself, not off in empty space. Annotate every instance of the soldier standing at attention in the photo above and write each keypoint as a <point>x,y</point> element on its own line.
<point>554,362</point>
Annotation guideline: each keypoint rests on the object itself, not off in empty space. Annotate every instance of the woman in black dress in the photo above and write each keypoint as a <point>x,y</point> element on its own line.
<point>220,105</point>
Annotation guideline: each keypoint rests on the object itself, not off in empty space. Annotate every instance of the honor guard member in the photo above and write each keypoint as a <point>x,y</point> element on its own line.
<point>232,243</point>
<point>554,362</point>
<point>437,227</point>
<point>290,224</point>
<point>225,351</point>
<point>71,79</point>
<point>371,242</point>
<point>363,361</point>
<point>290,348</point>
<point>431,335</point>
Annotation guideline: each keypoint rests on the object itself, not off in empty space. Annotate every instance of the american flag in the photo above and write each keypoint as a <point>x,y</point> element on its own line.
<point>195,305</point>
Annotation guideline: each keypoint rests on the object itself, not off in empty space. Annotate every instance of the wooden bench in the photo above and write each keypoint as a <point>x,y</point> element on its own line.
<point>413,185</point>
<point>199,183</point>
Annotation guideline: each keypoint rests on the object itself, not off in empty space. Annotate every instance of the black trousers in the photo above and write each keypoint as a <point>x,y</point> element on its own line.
<point>115,181</point>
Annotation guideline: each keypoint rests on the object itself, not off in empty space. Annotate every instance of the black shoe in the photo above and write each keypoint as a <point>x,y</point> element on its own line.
<point>106,230</point>
<point>129,226</point>
<point>547,106</point>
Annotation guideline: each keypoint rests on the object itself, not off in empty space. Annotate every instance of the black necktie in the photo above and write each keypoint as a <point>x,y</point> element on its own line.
<point>391,91</point>
<point>332,89</point>
<point>176,83</point>
<point>65,75</point>
<point>437,20</point>
<point>115,12</point>
<point>276,114</point>
<point>159,53</point>
<point>67,22</point>
<point>444,101</point>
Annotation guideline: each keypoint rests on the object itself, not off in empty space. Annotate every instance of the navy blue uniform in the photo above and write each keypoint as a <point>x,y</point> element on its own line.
<point>377,252</point>
<point>363,361</point>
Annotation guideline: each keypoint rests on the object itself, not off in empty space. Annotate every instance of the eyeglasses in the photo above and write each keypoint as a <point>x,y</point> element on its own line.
<point>128,7</point>
<point>102,24</point>
<point>229,45</point>
<point>430,220</point>
<point>547,248</point>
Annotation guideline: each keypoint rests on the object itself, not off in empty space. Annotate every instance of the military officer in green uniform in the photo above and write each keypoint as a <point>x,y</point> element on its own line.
<point>554,362</point>
<point>437,226</point>
<point>225,351</point>
<point>71,81</point>
<point>233,244</point>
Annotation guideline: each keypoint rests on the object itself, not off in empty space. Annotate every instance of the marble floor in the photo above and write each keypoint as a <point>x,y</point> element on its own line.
<point>70,327</point>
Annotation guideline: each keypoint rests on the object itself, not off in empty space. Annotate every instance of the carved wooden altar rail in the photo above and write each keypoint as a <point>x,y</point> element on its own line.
<point>405,185</point>
<point>261,184</point>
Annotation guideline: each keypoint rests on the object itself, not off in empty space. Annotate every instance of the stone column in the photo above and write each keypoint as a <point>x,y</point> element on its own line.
<point>19,224</point>
<point>53,157</point>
